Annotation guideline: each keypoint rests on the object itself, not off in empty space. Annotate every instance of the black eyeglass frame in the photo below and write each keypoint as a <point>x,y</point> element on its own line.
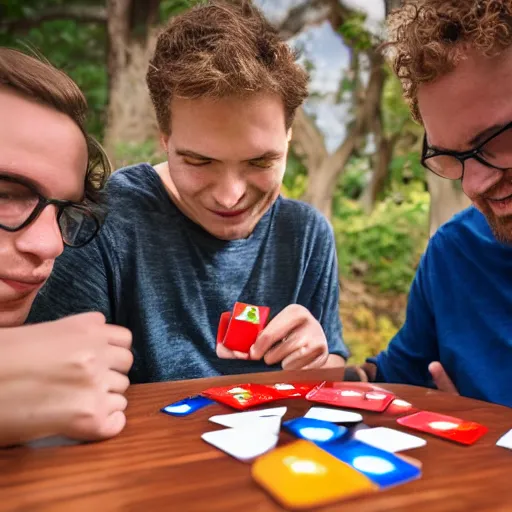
<point>428,152</point>
<point>42,203</point>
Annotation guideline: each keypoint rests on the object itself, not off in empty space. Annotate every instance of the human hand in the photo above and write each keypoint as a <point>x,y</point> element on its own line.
<point>441,379</point>
<point>293,338</point>
<point>66,377</point>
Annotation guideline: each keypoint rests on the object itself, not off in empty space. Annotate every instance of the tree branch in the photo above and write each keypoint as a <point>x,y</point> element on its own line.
<point>84,13</point>
<point>306,14</point>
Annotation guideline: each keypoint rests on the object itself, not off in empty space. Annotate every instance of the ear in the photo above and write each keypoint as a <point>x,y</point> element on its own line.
<point>289,135</point>
<point>163,141</point>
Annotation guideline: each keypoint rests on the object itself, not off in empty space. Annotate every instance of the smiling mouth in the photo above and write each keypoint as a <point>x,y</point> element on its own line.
<point>235,213</point>
<point>500,199</point>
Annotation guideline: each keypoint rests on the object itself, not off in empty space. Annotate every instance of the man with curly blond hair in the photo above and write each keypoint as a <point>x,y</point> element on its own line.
<point>187,238</point>
<point>454,58</point>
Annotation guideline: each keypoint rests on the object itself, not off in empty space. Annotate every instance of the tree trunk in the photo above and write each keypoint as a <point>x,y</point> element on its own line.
<point>390,5</point>
<point>446,199</point>
<point>131,40</point>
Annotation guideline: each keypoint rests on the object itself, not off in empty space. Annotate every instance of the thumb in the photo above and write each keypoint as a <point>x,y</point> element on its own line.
<point>441,379</point>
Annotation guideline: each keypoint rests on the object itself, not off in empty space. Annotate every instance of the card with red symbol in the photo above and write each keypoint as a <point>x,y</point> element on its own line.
<point>243,396</point>
<point>295,389</point>
<point>447,427</point>
<point>352,395</point>
<point>239,329</point>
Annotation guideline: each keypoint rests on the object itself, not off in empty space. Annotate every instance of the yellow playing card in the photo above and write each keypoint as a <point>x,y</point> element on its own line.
<point>301,475</point>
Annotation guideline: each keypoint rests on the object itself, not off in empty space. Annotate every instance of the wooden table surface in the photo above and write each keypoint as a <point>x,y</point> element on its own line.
<point>159,462</point>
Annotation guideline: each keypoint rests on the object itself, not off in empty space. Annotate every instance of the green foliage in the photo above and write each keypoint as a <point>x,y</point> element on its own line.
<point>383,248</point>
<point>128,153</point>
<point>79,49</point>
<point>354,32</point>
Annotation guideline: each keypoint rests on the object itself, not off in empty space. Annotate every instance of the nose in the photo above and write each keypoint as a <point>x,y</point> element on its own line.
<point>229,191</point>
<point>42,238</point>
<point>478,178</point>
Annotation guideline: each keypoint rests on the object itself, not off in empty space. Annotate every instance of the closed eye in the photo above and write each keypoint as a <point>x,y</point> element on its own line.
<point>196,162</point>
<point>262,164</point>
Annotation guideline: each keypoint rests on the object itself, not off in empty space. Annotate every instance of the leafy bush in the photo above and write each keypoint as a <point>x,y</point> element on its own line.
<point>383,248</point>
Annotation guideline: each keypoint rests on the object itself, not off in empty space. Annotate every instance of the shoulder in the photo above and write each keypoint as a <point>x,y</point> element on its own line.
<point>136,185</point>
<point>301,219</point>
<point>467,229</point>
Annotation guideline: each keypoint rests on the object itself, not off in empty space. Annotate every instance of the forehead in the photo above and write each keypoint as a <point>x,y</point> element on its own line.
<point>41,145</point>
<point>475,96</point>
<point>229,128</point>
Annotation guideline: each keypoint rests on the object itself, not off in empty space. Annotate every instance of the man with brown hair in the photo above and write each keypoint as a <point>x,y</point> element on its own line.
<point>189,237</point>
<point>454,58</point>
<point>65,377</point>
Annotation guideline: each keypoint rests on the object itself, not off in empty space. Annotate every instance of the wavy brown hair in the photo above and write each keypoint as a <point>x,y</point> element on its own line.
<point>45,84</point>
<point>218,50</point>
<point>428,38</point>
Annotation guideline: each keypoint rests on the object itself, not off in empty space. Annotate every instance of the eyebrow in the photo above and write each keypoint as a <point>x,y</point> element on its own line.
<point>476,140</point>
<point>268,155</point>
<point>484,134</point>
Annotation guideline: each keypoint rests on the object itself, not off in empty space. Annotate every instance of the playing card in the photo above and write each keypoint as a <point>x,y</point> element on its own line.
<point>187,406</point>
<point>243,396</point>
<point>266,419</point>
<point>383,468</point>
<point>317,431</point>
<point>241,444</point>
<point>294,389</point>
<point>300,475</point>
<point>348,394</point>
<point>505,441</point>
<point>333,415</point>
<point>399,406</point>
<point>243,326</point>
<point>448,427</point>
<point>223,326</point>
<point>389,439</point>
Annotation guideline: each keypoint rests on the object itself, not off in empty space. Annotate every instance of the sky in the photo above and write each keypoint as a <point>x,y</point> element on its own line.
<point>331,59</point>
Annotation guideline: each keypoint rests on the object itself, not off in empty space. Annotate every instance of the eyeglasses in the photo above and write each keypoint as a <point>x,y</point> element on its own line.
<point>21,204</point>
<point>494,152</point>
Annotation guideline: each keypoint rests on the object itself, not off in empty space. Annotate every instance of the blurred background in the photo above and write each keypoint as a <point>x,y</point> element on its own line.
<point>355,149</point>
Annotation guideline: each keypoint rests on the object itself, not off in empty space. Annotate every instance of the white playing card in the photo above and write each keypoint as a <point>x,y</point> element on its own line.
<point>249,418</point>
<point>240,443</point>
<point>333,415</point>
<point>505,441</point>
<point>389,439</point>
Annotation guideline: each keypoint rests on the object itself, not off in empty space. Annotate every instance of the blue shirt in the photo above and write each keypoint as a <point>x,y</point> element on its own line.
<point>154,271</point>
<point>459,313</point>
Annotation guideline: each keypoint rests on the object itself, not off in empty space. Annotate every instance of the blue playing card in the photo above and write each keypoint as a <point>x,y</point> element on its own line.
<point>318,431</point>
<point>383,468</point>
<point>187,406</point>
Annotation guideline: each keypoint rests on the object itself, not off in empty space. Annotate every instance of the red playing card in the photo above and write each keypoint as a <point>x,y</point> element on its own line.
<point>448,427</point>
<point>243,396</point>
<point>295,389</point>
<point>352,395</point>
<point>246,322</point>
<point>223,326</point>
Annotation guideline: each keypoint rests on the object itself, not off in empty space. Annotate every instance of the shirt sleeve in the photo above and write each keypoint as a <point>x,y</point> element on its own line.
<point>325,302</point>
<point>415,346</point>
<point>81,281</point>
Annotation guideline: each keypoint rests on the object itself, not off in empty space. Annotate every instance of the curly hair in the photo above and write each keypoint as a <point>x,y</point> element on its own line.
<point>45,84</point>
<point>428,38</point>
<point>217,50</point>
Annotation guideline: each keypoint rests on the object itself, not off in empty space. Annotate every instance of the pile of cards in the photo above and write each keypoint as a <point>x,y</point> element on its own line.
<point>336,456</point>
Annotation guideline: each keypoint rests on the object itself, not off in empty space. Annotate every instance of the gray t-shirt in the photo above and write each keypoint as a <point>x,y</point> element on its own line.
<point>154,271</point>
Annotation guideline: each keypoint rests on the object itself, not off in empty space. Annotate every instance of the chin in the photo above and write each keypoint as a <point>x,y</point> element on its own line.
<point>500,226</point>
<point>13,318</point>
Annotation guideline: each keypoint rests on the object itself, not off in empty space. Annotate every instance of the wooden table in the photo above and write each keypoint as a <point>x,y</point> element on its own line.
<point>160,462</point>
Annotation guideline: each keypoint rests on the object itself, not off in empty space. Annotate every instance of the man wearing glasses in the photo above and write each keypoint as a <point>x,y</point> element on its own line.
<point>455,61</point>
<point>66,377</point>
